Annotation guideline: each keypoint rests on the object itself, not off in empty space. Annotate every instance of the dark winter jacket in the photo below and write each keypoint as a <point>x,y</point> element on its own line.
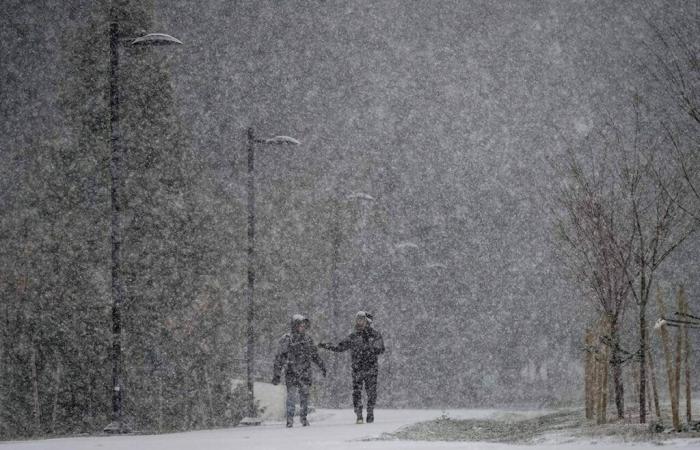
<point>295,354</point>
<point>364,345</point>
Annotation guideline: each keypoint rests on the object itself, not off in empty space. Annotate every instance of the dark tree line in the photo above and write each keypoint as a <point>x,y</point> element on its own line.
<point>56,302</point>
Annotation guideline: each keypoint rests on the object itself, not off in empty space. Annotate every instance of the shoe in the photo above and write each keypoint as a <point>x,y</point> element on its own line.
<point>304,422</point>
<point>370,417</point>
<point>359,421</point>
<point>290,423</point>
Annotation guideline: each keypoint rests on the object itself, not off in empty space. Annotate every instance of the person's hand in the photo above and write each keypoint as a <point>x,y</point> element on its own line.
<point>323,372</point>
<point>275,380</point>
<point>323,345</point>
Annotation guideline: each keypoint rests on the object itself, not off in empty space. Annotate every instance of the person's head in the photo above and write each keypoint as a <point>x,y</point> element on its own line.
<point>362,320</point>
<point>300,324</point>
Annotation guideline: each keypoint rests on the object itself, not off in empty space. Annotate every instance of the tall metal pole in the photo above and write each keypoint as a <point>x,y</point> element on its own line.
<point>336,311</point>
<point>116,193</point>
<point>250,350</point>
<point>115,172</point>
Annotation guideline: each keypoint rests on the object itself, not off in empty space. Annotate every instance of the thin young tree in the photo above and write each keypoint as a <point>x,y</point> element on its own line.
<point>658,223</point>
<point>662,170</point>
<point>593,235</point>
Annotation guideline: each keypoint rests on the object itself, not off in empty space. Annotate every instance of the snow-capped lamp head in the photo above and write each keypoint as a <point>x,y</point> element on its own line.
<point>659,323</point>
<point>363,320</point>
<point>300,323</point>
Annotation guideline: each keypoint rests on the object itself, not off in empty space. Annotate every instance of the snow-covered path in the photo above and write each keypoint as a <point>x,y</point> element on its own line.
<point>329,430</point>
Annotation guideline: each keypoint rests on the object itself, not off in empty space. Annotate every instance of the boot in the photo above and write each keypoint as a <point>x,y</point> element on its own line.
<point>370,416</point>
<point>304,422</point>
<point>290,422</point>
<point>359,418</point>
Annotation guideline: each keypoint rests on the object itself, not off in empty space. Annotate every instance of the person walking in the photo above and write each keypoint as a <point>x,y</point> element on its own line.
<point>295,353</point>
<point>365,345</point>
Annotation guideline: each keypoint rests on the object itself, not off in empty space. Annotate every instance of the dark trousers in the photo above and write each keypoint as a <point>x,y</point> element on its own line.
<point>295,390</point>
<point>369,381</point>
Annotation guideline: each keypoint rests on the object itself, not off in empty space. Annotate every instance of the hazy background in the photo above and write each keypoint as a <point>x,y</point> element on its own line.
<point>444,112</point>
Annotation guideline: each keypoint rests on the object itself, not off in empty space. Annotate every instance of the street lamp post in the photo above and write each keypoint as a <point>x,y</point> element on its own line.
<point>335,257</point>
<point>337,237</point>
<point>250,347</point>
<point>362,198</point>
<point>115,172</point>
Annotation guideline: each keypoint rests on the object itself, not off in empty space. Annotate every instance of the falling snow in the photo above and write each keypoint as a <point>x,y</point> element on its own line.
<point>444,166</point>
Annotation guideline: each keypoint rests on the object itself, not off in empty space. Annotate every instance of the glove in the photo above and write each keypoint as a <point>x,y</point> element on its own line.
<point>323,372</point>
<point>322,345</point>
<point>276,380</point>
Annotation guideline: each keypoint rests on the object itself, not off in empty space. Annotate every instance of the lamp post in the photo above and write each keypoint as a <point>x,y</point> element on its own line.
<point>362,198</point>
<point>115,172</point>
<point>336,234</point>
<point>335,256</point>
<point>250,347</point>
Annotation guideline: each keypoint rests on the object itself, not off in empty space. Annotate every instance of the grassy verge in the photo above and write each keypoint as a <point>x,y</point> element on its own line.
<point>560,426</point>
<point>512,430</point>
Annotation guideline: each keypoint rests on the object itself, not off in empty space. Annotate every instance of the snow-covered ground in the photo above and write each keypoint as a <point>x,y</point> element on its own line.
<point>329,430</point>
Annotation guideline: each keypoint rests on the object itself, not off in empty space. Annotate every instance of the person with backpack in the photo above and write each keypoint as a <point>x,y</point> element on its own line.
<point>365,345</point>
<point>295,353</point>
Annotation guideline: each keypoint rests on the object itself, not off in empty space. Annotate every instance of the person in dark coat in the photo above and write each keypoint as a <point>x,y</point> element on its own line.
<point>295,354</point>
<point>365,344</point>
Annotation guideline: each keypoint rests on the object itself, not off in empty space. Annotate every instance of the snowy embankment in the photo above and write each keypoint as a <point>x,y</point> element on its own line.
<point>330,429</point>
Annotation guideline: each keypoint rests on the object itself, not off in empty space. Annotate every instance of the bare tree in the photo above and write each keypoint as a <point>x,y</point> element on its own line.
<point>594,234</point>
<point>654,196</point>
<point>673,64</point>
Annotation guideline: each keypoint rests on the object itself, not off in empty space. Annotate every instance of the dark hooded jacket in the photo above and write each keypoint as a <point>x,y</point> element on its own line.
<point>295,354</point>
<point>364,345</point>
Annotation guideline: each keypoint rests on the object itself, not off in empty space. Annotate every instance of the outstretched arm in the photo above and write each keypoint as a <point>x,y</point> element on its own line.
<point>341,347</point>
<point>316,358</point>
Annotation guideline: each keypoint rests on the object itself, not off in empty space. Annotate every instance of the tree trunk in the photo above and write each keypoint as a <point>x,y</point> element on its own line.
<point>35,392</point>
<point>665,339</point>
<point>595,386</point>
<point>635,383</point>
<point>210,398</point>
<point>619,389</point>
<point>4,363</point>
<point>650,399</point>
<point>616,363</point>
<point>56,390</point>
<point>160,404</point>
<point>683,309</point>
<point>589,368</point>
<point>642,360</point>
<point>654,389</point>
<point>201,401</point>
<point>678,358</point>
<point>603,387</point>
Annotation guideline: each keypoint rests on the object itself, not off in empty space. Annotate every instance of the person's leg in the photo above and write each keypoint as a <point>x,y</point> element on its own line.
<point>303,403</point>
<point>292,390</point>
<point>357,395</point>
<point>371,388</point>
